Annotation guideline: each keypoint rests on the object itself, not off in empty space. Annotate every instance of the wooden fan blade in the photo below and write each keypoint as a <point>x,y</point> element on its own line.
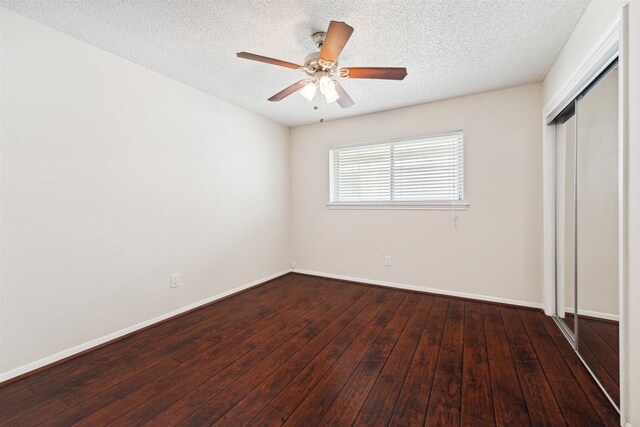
<point>260,58</point>
<point>337,36</point>
<point>388,73</point>
<point>345,100</point>
<point>287,91</point>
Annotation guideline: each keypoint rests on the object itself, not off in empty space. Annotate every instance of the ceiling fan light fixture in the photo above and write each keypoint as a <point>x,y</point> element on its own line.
<point>328,89</point>
<point>309,91</point>
<point>332,96</point>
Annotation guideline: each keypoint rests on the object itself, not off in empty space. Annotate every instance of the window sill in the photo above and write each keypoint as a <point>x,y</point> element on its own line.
<point>435,206</point>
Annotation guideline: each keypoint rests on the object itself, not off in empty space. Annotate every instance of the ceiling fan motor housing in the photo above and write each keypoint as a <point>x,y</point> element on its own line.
<point>313,64</point>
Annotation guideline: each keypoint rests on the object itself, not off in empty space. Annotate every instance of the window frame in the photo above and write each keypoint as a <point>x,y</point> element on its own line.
<point>445,205</point>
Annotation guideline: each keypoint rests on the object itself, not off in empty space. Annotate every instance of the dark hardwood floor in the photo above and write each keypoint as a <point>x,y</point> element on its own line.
<point>303,350</point>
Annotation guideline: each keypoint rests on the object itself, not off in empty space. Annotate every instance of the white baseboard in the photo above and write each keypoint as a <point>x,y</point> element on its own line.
<point>4,376</point>
<point>423,289</point>
<point>596,314</point>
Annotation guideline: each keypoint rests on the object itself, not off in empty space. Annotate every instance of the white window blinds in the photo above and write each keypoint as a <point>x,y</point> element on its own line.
<point>425,170</point>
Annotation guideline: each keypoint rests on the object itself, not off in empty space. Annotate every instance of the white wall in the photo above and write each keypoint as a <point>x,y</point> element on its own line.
<point>112,178</point>
<point>496,249</point>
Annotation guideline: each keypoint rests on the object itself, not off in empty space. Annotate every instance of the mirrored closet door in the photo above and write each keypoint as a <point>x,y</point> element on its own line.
<point>587,228</point>
<point>565,220</point>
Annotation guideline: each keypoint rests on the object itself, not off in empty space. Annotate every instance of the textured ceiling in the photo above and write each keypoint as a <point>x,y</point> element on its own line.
<point>450,47</point>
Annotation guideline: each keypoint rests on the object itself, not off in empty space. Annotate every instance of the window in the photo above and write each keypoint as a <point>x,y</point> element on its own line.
<point>425,172</point>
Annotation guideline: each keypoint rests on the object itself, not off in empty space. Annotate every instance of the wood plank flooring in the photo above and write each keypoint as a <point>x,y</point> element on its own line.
<point>303,350</point>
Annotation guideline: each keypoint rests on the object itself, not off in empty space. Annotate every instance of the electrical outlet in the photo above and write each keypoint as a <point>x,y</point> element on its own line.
<point>387,260</point>
<point>293,265</point>
<point>175,280</point>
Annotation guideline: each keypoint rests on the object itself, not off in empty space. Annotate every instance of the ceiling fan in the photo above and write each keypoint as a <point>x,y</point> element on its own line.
<point>322,68</point>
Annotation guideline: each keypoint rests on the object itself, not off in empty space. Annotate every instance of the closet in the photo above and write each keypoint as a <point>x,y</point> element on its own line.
<point>587,197</point>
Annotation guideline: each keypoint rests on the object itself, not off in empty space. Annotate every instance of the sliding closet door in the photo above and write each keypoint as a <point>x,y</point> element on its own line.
<point>565,220</point>
<point>596,221</point>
